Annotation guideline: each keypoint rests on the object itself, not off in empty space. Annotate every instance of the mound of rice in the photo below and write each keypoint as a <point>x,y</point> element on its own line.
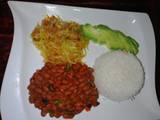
<point>118,76</point>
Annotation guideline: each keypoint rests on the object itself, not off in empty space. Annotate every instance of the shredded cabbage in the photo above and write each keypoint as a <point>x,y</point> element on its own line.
<point>59,41</point>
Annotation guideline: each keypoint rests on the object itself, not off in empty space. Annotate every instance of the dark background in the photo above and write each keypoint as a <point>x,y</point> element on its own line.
<point>152,7</point>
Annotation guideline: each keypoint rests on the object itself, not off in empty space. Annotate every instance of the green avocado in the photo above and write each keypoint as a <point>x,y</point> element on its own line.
<point>113,39</point>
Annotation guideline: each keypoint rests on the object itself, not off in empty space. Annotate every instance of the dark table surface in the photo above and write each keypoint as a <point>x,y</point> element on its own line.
<point>152,7</point>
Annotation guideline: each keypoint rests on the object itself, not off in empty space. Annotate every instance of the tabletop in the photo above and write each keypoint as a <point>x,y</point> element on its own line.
<point>152,7</point>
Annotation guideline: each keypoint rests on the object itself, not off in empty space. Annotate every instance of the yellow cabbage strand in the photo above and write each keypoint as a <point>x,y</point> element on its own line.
<point>59,41</point>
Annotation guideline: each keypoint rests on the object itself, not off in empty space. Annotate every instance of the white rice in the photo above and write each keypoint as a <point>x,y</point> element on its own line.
<point>118,76</point>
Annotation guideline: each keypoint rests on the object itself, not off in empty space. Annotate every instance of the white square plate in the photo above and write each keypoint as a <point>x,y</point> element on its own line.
<point>25,59</point>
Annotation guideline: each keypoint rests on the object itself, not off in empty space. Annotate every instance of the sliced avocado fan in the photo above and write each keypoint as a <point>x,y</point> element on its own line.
<point>113,39</point>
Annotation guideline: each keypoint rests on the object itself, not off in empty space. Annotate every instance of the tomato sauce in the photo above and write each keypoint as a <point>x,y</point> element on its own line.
<point>63,89</point>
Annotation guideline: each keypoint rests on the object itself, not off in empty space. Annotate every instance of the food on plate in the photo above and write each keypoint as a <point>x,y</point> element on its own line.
<point>65,86</point>
<point>59,41</point>
<point>113,39</point>
<point>63,89</point>
<point>118,75</point>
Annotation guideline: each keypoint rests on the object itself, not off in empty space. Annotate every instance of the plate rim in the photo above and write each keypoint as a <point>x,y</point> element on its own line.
<point>13,44</point>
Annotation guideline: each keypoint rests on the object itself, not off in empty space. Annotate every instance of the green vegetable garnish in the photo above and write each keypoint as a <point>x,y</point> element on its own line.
<point>57,101</point>
<point>68,67</point>
<point>113,39</point>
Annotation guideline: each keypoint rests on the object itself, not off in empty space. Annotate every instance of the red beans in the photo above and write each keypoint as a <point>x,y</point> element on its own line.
<point>63,90</point>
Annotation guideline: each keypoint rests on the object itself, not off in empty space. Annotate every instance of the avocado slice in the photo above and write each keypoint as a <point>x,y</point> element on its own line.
<point>113,39</point>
